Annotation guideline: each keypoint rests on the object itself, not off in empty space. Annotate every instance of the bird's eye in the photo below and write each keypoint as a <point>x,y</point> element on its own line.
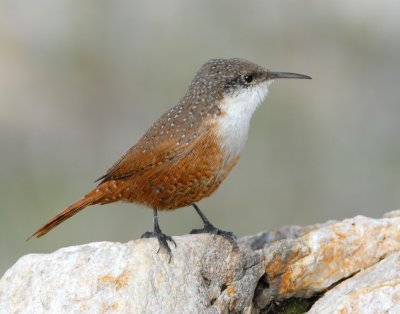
<point>248,78</point>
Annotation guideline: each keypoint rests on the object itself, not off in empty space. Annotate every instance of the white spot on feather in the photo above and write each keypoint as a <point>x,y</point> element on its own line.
<point>237,112</point>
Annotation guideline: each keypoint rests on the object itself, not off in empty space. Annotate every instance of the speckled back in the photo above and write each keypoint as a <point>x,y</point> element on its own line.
<point>175,131</point>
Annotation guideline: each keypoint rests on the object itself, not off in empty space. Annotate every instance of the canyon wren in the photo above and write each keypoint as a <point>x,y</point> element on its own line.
<point>187,153</point>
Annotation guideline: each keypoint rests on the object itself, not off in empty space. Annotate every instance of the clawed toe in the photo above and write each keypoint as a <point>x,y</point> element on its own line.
<point>161,237</point>
<point>209,228</point>
<point>230,236</point>
<point>162,240</point>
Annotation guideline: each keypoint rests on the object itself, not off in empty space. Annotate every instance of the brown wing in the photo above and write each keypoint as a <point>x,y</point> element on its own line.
<point>172,136</point>
<point>137,160</point>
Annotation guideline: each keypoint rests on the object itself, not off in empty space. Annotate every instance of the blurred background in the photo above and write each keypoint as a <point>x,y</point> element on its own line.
<point>80,82</point>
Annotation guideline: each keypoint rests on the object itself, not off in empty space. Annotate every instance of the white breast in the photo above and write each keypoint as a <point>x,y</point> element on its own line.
<point>233,125</point>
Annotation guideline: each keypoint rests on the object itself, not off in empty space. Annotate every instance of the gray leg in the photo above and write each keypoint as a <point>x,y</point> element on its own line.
<point>209,228</point>
<point>161,237</point>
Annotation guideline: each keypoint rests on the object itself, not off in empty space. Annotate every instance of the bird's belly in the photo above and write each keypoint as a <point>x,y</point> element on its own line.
<point>184,181</point>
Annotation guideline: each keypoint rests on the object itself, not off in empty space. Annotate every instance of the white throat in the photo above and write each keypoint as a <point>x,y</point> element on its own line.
<point>233,125</point>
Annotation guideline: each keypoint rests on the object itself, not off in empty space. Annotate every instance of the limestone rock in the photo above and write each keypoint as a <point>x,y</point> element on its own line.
<point>354,261</point>
<point>204,275</point>
<point>392,214</point>
<point>374,290</point>
<point>304,266</point>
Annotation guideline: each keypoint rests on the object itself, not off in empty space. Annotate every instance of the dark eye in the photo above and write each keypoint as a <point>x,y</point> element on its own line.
<point>248,78</point>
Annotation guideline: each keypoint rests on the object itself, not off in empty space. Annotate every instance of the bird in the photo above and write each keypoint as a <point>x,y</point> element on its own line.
<point>189,151</point>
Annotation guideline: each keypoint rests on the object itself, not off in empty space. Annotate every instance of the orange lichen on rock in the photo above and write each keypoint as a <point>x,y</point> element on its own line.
<point>230,290</point>
<point>119,281</point>
<point>336,252</point>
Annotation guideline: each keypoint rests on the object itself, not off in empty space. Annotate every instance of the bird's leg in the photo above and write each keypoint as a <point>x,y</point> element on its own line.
<point>209,228</point>
<point>161,237</point>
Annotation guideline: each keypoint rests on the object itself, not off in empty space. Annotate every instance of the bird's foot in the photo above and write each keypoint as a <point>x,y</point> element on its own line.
<point>162,240</point>
<point>209,228</point>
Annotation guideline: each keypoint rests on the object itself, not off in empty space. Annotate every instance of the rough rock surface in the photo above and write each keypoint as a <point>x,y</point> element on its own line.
<point>301,267</point>
<point>346,265</point>
<point>374,290</point>
<point>204,275</point>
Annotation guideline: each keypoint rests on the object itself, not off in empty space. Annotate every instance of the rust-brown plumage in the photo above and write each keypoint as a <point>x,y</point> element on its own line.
<point>186,154</point>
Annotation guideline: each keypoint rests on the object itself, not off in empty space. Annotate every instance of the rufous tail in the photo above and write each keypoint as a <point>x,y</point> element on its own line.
<point>99,195</point>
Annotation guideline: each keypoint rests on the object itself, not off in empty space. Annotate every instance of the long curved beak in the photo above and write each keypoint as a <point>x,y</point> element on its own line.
<point>286,75</point>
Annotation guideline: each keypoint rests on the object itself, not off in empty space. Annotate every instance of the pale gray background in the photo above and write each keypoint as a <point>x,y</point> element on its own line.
<point>80,81</point>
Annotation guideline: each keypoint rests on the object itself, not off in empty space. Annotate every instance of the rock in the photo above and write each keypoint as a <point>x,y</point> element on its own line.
<point>266,273</point>
<point>304,266</point>
<point>392,214</point>
<point>204,275</point>
<point>374,290</point>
